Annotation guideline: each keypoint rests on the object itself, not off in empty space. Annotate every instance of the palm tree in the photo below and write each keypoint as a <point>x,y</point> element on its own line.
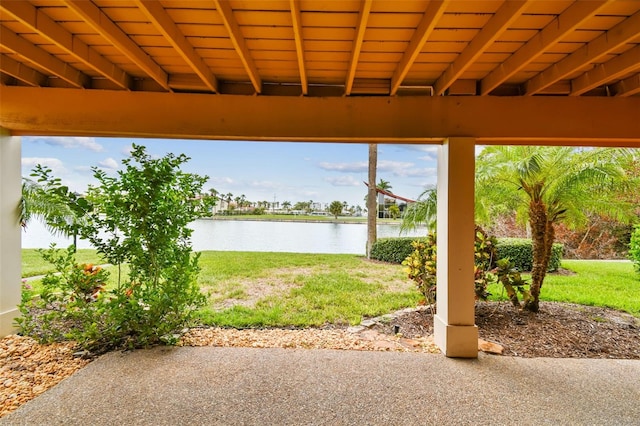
<point>62,211</point>
<point>383,184</point>
<point>372,211</point>
<point>548,185</point>
<point>286,205</point>
<point>422,212</point>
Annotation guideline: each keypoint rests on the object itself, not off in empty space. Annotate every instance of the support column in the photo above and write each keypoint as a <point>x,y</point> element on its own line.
<point>10,238</point>
<point>455,331</point>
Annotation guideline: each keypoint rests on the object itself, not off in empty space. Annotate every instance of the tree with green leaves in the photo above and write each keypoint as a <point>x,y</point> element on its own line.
<point>394,211</point>
<point>335,208</point>
<point>549,185</point>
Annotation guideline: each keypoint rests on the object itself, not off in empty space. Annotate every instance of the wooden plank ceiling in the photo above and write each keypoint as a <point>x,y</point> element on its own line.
<point>325,47</point>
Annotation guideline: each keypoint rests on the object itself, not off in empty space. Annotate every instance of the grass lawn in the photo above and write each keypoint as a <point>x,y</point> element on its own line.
<point>32,263</point>
<point>251,289</point>
<point>596,283</point>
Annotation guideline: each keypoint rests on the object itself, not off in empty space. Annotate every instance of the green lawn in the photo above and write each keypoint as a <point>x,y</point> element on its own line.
<point>251,289</point>
<point>32,263</point>
<point>596,283</point>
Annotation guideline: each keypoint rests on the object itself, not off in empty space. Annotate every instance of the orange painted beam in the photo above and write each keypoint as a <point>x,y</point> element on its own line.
<point>403,119</point>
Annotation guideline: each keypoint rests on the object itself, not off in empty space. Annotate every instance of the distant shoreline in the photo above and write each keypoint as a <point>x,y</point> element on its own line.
<point>305,219</point>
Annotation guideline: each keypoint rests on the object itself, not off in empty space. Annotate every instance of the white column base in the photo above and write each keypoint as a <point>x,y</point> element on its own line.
<point>455,341</point>
<point>10,237</point>
<point>7,322</point>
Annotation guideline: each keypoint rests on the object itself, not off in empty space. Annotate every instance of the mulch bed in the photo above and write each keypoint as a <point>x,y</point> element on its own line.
<point>559,330</point>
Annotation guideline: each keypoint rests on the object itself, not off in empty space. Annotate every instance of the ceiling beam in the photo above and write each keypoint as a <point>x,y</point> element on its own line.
<point>357,45</point>
<point>503,18</point>
<point>235,34</point>
<point>615,68</point>
<point>22,72</point>
<point>296,18</point>
<point>431,16</point>
<point>163,22</point>
<point>101,23</point>
<point>566,22</point>
<point>627,87</point>
<point>371,119</point>
<point>39,22</point>
<point>617,36</point>
<point>42,58</point>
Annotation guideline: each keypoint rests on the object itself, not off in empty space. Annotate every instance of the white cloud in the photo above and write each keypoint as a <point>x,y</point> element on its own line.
<point>355,167</point>
<point>224,180</point>
<point>71,142</point>
<point>108,163</point>
<point>54,164</point>
<point>126,150</point>
<point>343,181</point>
<point>398,168</point>
<point>263,184</point>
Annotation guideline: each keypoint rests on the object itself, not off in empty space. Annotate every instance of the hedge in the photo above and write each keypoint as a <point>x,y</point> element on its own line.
<point>519,250</point>
<point>392,250</point>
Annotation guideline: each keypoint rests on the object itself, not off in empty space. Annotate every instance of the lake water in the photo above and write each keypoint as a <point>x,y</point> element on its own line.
<point>241,235</point>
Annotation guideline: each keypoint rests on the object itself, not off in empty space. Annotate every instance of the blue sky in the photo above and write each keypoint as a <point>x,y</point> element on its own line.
<point>322,172</point>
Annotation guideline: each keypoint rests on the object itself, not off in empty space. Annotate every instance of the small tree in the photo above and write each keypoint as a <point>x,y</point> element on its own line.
<point>335,208</point>
<point>142,221</point>
<point>394,211</point>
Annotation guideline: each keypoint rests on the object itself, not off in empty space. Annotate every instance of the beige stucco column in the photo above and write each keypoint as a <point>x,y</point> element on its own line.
<point>455,331</point>
<point>10,238</point>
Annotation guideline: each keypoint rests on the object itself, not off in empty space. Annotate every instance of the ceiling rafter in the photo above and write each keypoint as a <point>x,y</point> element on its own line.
<point>503,18</point>
<point>109,30</point>
<point>627,87</point>
<point>224,8</point>
<point>163,22</point>
<point>296,18</point>
<point>592,51</point>
<point>566,22</point>
<point>614,68</point>
<point>35,54</point>
<point>48,28</point>
<point>434,12</point>
<point>357,45</point>
<point>22,72</point>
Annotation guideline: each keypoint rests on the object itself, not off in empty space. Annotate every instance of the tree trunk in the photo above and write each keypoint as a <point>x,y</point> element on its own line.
<point>372,214</point>
<point>538,221</point>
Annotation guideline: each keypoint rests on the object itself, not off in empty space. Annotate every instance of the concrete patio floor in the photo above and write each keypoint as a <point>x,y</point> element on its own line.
<point>243,386</point>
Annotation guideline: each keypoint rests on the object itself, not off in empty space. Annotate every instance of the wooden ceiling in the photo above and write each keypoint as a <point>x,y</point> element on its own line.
<point>325,47</point>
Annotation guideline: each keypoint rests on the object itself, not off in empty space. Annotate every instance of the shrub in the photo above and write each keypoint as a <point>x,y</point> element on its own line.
<point>141,220</point>
<point>421,264</point>
<point>520,252</point>
<point>393,250</point>
<point>634,247</point>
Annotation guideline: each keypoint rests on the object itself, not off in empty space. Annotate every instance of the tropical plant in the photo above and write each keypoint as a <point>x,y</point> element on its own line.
<point>62,210</point>
<point>394,211</point>
<point>422,212</point>
<point>335,208</point>
<point>546,186</point>
<point>384,185</point>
